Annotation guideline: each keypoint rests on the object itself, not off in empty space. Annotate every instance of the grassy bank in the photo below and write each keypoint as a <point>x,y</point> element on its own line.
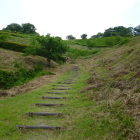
<point>82,117</point>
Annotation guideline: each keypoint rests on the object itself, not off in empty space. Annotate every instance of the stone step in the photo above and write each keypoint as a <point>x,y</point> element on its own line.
<point>39,127</point>
<point>65,83</point>
<point>57,92</point>
<point>61,85</point>
<point>42,114</point>
<point>53,97</point>
<point>61,88</point>
<point>44,104</point>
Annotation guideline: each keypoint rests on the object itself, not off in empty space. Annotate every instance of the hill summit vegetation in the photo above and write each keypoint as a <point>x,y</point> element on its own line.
<point>26,28</point>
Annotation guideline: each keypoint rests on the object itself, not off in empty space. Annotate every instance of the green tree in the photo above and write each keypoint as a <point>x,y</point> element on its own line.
<point>70,37</point>
<point>84,36</point>
<point>28,28</point>
<point>50,47</point>
<point>118,31</point>
<point>109,32</point>
<point>93,36</point>
<point>14,27</point>
<point>137,30</point>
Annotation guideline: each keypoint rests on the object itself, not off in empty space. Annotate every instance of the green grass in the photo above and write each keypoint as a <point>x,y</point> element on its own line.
<point>100,42</point>
<point>80,53</point>
<point>82,119</point>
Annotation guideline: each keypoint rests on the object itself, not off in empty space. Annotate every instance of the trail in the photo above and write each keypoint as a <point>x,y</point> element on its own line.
<point>38,82</point>
<point>60,95</point>
<point>45,80</point>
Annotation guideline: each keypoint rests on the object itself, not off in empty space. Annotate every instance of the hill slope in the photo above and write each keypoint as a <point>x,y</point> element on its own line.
<point>114,84</point>
<point>107,108</point>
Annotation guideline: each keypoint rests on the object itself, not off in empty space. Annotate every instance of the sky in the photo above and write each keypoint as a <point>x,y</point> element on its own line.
<point>70,17</point>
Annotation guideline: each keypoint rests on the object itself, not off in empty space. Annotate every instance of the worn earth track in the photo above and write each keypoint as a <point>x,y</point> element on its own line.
<point>67,82</point>
<point>36,83</point>
<point>45,80</point>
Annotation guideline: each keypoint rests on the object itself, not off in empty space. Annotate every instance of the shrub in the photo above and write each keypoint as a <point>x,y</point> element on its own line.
<point>21,76</point>
<point>110,41</point>
<point>116,40</point>
<point>13,46</point>
<point>60,60</point>
<point>7,79</point>
<point>91,44</point>
<point>3,37</point>
<point>75,53</point>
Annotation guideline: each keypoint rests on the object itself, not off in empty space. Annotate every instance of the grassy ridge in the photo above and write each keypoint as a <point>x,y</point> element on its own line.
<point>114,86</point>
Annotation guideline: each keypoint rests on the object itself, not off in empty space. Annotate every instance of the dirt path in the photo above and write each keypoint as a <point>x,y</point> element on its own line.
<point>38,82</point>
<point>45,80</point>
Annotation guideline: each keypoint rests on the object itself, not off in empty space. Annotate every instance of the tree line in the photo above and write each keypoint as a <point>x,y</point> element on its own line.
<point>116,31</point>
<point>29,28</point>
<point>26,28</point>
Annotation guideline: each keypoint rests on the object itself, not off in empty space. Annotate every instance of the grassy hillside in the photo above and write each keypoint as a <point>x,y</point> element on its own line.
<point>100,42</point>
<point>17,69</point>
<point>103,103</point>
<point>114,86</point>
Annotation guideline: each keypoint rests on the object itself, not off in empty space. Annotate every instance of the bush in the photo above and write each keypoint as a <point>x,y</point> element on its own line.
<point>3,37</point>
<point>13,46</point>
<point>91,44</point>
<point>11,79</point>
<point>110,41</point>
<point>116,40</point>
<point>7,79</point>
<point>75,53</point>
<point>60,60</point>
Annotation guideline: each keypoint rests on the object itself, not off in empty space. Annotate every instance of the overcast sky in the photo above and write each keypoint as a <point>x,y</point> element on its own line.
<point>70,17</point>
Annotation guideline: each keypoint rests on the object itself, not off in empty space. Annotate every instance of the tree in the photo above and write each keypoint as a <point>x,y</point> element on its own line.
<point>93,36</point>
<point>50,47</point>
<point>123,31</point>
<point>14,27</point>
<point>28,28</point>
<point>84,36</point>
<point>137,30</point>
<point>118,31</point>
<point>70,37</point>
<point>109,32</point>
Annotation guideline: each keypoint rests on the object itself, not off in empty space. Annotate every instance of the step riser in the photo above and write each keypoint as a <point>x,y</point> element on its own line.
<point>53,97</point>
<point>43,114</point>
<point>65,83</point>
<point>60,88</point>
<point>41,104</point>
<point>57,92</point>
<point>39,127</point>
